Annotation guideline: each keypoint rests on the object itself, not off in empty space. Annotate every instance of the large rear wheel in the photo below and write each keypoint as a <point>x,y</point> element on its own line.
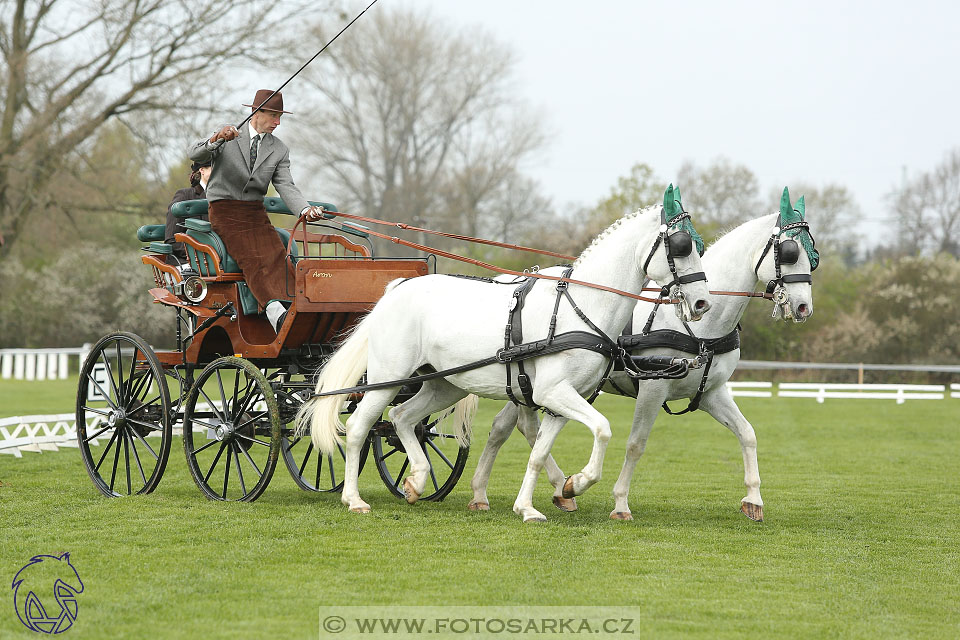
<point>446,458</point>
<point>231,430</point>
<point>124,416</point>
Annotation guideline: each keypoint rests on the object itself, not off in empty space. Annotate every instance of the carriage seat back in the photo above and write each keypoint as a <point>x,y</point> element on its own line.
<point>201,231</point>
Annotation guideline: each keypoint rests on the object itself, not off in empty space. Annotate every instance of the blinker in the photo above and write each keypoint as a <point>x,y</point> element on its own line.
<point>680,244</point>
<point>789,252</point>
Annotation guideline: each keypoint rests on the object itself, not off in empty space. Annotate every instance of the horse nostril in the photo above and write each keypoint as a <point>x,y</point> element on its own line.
<point>701,305</point>
<point>802,310</point>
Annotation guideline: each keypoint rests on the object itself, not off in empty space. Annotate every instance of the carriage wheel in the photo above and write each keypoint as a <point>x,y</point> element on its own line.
<point>446,458</point>
<point>124,395</point>
<point>231,430</point>
<point>312,470</point>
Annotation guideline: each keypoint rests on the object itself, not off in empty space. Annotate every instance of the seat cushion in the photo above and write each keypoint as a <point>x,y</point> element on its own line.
<point>151,232</point>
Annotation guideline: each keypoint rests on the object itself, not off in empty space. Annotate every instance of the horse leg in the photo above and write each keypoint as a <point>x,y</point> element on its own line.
<point>358,425</point>
<point>644,415</point>
<point>433,396</point>
<point>499,432</point>
<point>719,404</point>
<point>564,399</point>
<point>528,425</point>
<point>523,506</point>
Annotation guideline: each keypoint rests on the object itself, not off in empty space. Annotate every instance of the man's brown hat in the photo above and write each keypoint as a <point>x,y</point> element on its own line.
<point>273,104</point>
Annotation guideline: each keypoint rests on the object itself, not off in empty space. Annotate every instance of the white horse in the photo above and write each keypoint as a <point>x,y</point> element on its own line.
<point>446,322</point>
<point>736,262</point>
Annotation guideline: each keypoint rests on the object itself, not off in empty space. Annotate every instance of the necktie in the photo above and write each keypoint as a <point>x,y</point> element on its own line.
<point>253,151</point>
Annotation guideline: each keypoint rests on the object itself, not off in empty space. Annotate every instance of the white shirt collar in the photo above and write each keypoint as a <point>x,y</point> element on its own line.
<point>254,132</point>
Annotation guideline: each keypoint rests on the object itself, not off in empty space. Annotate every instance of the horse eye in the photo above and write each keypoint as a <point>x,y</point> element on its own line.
<point>680,244</point>
<point>789,252</point>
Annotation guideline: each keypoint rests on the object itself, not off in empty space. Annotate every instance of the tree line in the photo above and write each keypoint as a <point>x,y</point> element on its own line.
<point>410,119</point>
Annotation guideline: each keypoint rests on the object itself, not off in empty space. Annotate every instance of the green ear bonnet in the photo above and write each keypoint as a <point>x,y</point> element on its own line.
<point>673,208</point>
<point>789,215</point>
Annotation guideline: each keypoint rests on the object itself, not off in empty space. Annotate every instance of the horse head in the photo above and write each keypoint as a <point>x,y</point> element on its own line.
<point>787,260</point>
<point>672,259</point>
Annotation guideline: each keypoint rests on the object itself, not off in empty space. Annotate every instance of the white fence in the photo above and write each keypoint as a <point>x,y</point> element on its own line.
<point>40,364</point>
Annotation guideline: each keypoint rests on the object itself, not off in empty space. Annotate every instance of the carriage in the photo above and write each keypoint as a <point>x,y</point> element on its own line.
<point>232,386</point>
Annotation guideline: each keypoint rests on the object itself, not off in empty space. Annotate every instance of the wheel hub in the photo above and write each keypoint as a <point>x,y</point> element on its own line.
<point>117,418</point>
<point>223,432</point>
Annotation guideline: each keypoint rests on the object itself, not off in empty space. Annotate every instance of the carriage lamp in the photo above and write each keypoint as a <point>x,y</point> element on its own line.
<point>193,288</point>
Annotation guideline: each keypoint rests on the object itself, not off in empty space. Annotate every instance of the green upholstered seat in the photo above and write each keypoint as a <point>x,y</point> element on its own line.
<point>150,232</point>
<point>161,247</point>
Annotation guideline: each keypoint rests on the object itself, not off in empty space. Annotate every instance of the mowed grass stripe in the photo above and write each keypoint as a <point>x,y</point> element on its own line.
<point>861,502</point>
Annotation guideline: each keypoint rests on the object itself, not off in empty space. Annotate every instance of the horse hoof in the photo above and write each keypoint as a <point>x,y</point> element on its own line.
<point>363,509</point>
<point>621,515</point>
<point>537,518</point>
<point>565,504</point>
<point>567,491</point>
<point>478,506</point>
<point>752,511</point>
<point>409,492</point>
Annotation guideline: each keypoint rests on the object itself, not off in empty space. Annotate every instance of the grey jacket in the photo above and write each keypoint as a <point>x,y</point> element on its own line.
<point>230,175</point>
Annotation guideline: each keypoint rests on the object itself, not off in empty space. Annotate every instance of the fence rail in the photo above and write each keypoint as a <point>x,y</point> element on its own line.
<point>40,364</point>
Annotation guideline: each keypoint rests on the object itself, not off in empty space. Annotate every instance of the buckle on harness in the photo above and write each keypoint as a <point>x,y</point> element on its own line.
<point>562,285</point>
<point>501,356</point>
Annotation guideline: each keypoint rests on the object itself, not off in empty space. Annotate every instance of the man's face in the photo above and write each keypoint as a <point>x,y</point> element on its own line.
<point>265,121</point>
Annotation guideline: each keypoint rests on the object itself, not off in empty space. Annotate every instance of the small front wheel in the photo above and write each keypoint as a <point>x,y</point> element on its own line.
<point>231,430</point>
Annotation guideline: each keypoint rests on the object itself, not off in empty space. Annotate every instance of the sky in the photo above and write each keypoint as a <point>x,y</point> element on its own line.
<point>861,94</point>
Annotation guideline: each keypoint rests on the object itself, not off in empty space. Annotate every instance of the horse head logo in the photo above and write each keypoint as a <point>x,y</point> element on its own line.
<point>45,593</point>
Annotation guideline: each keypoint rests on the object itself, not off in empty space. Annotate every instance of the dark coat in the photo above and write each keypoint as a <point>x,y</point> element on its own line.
<point>190,193</point>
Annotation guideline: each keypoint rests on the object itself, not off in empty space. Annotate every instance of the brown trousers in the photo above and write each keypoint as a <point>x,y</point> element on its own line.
<point>253,242</point>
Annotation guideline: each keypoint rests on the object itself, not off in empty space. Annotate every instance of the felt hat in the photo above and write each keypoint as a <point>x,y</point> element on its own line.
<point>260,101</point>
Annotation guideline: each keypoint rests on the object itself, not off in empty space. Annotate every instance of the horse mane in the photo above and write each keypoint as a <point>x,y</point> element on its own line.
<point>609,230</point>
<point>731,230</point>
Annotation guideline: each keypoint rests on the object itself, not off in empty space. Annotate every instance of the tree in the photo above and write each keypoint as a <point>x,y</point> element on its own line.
<point>720,195</point>
<point>68,68</point>
<point>640,188</point>
<point>419,124</point>
<point>927,210</point>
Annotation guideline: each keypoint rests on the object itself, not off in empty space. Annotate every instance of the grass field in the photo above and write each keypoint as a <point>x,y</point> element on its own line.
<point>860,539</point>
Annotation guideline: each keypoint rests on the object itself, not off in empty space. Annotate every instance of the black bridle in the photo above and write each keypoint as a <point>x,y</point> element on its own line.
<point>787,252</point>
<point>677,245</point>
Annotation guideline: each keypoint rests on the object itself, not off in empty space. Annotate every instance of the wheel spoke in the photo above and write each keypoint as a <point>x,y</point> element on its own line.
<point>433,476</point>
<point>136,456</point>
<point>206,478</point>
<point>303,465</point>
<point>236,388</point>
<point>236,458</point>
<point>113,384</point>
<point>140,385</point>
<point>145,425</point>
<point>206,446</point>
<point>316,482</point>
<point>213,406</point>
<point>440,453</point>
<point>121,387</point>
<point>226,475</point>
<point>257,417</point>
<point>133,366</point>
<point>89,438</point>
<point>101,412</point>
<point>107,449</point>
<point>294,443</point>
<point>245,437</point>
<point>389,454</point>
<point>116,459</point>
<point>400,475</point>
<point>223,396</point>
<point>126,456</point>
<point>248,395</point>
<point>333,476</point>
<point>208,425</point>
<point>250,460</point>
<point>144,405</point>
<point>147,445</point>
<point>106,396</point>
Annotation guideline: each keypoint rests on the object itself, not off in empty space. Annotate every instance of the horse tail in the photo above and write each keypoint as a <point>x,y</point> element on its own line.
<point>343,370</point>
<point>463,415</point>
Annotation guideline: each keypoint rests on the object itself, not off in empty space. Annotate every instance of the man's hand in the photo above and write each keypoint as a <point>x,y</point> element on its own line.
<point>229,132</point>
<point>313,214</point>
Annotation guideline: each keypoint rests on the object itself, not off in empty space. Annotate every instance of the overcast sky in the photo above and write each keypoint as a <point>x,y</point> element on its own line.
<point>853,93</point>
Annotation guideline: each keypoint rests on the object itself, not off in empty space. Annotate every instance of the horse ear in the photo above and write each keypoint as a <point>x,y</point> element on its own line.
<point>669,203</point>
<point>801,208</point>
<point>786,210</point>
<point>676,196</point>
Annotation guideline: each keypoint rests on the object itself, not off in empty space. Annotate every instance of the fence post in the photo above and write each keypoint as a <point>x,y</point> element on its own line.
<point>41,366</point>
<point>6,365</point>
<point>51,366</point>
<point>18,366</point>
<point>62,361</point>
<point>860,374</point>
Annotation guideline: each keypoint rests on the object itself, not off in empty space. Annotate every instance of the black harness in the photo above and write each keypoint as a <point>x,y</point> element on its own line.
<point>784,252</point>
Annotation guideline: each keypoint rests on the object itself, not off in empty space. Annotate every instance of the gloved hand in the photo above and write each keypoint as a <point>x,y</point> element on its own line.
<point>313,214</point>
<point>229,132</point>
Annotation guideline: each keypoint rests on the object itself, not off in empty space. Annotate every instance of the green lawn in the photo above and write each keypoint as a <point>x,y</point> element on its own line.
<point>860,539</point>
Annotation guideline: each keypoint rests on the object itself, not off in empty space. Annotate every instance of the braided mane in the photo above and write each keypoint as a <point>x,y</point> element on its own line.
<point>609,230</point>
